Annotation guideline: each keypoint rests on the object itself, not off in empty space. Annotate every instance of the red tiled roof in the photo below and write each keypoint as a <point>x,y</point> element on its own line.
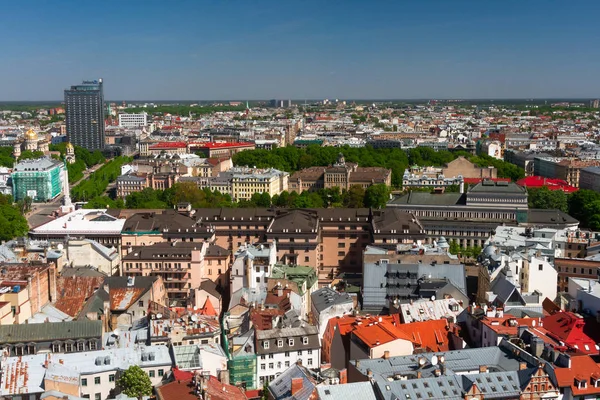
<point>381,331</point>
<point>431,335</point>
<point>221,391</point>
<point>552,184</point>
<point>506,326</point>
<point>208,309</point>
<point>178,389</point>
<point>215,145</point>
<point>568,328</point>
<point>168,145</point>
<point>582,367</point>
<point>263,319</point>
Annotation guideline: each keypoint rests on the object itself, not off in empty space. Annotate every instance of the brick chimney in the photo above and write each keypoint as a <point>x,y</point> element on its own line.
<point>343,376</point>
<point>297,384</point>
<point>522,366</point>
<point>482,369</point>
<point>419,374</point>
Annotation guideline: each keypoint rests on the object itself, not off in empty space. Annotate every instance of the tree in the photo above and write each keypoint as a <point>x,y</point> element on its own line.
<point>12,222</point>
<point>377,196</point>
<point>545,198</point>
<point>577,205</point>
<point>454,247</point>
<point>135,382</point>
<point>354,197</point>
<point>28,155</point>
<point>592,211</point>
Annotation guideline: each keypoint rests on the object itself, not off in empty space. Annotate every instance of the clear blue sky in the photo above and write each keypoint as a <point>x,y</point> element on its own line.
<point>254,49</point>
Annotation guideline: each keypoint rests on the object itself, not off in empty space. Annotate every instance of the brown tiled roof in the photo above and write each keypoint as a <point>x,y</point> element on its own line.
<point>379,175</point>
<point>308,174</point>
<point>180,390</point>
<point>149,222</point>
<point>291,220</point>
<point>72,292</point>
<point>123,298</point>
<point>166,250</point>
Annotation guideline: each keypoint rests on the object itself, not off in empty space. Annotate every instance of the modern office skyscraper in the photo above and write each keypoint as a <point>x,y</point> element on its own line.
<point>84,109</point>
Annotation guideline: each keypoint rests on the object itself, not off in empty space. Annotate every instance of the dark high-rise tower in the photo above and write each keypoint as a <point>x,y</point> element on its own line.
<point>84,109</point>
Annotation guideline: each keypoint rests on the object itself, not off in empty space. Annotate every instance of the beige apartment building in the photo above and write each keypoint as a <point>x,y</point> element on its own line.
<point>330,240</point>
<point>342,175</point>
<point>245,182</point>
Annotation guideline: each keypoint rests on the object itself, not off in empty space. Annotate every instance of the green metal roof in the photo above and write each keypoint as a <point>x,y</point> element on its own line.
<point>48,332</point>
<point>297,274</point>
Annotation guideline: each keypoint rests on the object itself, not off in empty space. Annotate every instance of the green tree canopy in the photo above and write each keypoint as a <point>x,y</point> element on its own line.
<point>377,196</point>
<point>134,382</point>
<point>545,198</point>
<point>12,223</point>
<point>29,155</point>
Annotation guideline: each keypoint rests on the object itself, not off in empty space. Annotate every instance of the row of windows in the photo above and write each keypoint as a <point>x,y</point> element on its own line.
<point>263,367</point>
<point>286,354</point>
<point>280,342</point>
<point>70,346</point>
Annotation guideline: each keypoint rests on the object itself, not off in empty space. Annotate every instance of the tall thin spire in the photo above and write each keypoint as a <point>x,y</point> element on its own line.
<point>67,206</point>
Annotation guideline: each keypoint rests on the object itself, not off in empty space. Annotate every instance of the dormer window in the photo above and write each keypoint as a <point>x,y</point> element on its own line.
<point>580,382</point>
<point>305,340</point>
<point>291,341</point>
<point>266,344</point>
<point>279,342</point>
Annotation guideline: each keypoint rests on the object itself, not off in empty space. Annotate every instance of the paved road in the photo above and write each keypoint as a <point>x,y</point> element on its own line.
<point>41,212</point>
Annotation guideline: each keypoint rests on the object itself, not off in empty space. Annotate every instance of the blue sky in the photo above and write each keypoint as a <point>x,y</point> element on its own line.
<point>254,49</point>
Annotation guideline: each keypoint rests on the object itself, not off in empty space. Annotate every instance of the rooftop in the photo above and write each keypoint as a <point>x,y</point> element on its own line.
<point>25,374</point>
<point>93,221</point>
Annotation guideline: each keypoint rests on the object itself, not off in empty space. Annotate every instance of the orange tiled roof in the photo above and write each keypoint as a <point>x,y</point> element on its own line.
<point>582,367</point>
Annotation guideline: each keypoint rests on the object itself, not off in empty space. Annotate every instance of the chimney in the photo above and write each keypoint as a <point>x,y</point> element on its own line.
<point>386,354</point>
<point>343,376</point>
<point>522,366</point>
<point>297,384</point>
<point>325,366</point>
<point>357,363</point>
<point>419,374</point>
<point>482,369</point>
<point>224,376</point>
<point>369,373</point>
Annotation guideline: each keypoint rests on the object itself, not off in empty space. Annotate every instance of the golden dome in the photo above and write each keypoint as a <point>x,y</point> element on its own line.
<point>70,146</point>
<point>31,135</point>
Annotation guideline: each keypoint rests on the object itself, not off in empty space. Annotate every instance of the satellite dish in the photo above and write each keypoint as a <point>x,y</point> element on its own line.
<point>159,315</point>
<point>433,298</point>
<point>434,360</point>
<point>421,361</point>
<point>194,318</point>
<point>441,359</point>
<point>60,246</point>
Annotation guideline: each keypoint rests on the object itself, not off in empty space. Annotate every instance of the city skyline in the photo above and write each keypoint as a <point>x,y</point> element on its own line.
<point>237,50</point>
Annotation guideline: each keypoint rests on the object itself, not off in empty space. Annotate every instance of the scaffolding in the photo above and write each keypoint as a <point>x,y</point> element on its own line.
<point>39,185</point>
<point>242,371</point>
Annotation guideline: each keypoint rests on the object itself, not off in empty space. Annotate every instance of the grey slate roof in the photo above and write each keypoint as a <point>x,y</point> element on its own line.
<point>494,385</point>
<point>284,334</point>
<point>48,332</point>
<point>497,359</point>
<point>281,387</point>
<point>326,297</point>
<point>358,390</point>
<point>438,199</point>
